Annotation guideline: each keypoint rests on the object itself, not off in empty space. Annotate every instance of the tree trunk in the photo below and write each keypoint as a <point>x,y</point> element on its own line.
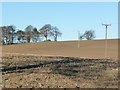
<point>46,38</point>
<point>28,39</point>
<point>55,37</point>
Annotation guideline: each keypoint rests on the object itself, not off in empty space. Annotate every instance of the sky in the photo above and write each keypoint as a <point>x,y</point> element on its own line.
<point>69,17</point>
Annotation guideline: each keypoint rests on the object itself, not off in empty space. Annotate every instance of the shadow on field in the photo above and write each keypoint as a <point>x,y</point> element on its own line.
<point>86,68</point>
<point>68,66</point>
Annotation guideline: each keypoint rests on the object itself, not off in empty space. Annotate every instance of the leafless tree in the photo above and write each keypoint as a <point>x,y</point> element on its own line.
<point>46,30</point>
<point>81,36</point>
<point>8,34</point>
<point>11,30</point>
<point>20,36</point>
<point>35,36</point>
<point>28,32</point>
<point>89,35</point>
<point>56,33</point>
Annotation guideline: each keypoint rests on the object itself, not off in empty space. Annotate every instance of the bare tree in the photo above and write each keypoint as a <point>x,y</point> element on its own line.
<point>11,30</point>
<point>35,36</point>
<point>8,34</point>
<point>28,32</point>
<point>81,36</point>
<point>1,39</point>
<point>4,34</point>
<point>89,35</point>
<point>20,35</point>
<point>56,33</point>
<point>46,30</point>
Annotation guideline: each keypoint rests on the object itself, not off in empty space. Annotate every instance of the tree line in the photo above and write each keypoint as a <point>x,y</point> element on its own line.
<point>30,34</point>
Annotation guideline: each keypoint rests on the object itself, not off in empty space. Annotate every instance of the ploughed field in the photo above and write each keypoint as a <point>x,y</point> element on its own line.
<point>60,65</point>
<point>20,71</point>
<point>88,48</point>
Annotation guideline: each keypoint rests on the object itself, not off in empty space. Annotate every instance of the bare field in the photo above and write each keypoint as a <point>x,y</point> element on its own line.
<point>60,65</point>
<point>58,72</point>
<point>90,49</point>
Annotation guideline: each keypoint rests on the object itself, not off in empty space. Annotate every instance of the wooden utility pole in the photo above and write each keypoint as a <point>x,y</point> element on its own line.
<point>106,26</point>
<point>78,39</point>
